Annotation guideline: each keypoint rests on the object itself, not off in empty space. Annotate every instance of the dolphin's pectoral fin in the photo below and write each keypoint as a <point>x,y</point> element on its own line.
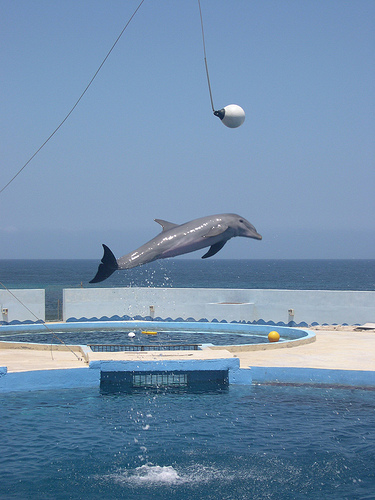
<point>216,230</point>
<point>214,249</point>
<point>165,224</point>
<point>107,267</point>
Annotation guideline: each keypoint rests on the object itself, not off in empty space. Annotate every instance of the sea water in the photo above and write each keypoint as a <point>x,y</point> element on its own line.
<point>255,442</point>
<point>55,275</point>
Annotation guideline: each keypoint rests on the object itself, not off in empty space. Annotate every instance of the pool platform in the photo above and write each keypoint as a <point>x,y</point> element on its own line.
<point>340,356</point>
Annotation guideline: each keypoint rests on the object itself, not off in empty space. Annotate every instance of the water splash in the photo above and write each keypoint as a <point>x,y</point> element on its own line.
<point>147,475</point>
<point>150,475</point>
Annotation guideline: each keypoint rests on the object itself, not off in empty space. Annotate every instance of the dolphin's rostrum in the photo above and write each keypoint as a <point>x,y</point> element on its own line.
<point>176,239</point>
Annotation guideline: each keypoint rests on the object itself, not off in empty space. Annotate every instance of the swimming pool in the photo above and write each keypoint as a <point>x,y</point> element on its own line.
<point>246,442</point>
<point>117,332</point>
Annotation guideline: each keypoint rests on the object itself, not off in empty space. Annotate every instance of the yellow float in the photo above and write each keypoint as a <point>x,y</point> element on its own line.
<point>274,336</point>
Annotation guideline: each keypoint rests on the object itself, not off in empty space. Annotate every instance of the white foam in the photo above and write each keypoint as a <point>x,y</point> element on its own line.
<point>150,475</point>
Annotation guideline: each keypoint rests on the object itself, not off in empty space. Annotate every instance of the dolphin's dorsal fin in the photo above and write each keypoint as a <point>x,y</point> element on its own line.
<point>216,230</point>
<point>165,224</point>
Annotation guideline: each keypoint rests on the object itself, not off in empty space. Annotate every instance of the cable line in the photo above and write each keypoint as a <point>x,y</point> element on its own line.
<point>205,58</point>
<point>76,104</point>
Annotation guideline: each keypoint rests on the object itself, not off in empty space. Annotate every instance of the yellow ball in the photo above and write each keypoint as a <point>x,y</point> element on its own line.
<point>274,336</point>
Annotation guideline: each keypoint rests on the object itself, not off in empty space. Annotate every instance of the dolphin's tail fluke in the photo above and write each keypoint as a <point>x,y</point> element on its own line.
<point>107,266</point>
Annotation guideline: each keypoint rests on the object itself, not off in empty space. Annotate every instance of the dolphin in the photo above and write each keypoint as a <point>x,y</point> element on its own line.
<point>176,239</point>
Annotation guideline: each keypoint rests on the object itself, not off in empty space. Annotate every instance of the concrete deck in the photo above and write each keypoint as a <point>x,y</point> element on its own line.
<point>336,348</point>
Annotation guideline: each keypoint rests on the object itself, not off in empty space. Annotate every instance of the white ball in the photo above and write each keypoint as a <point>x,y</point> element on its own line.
<point>131,334</point>
<point>234,116</point>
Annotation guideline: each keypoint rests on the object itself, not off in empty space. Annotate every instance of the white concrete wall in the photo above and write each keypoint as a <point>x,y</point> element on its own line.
<point>309,306</point>
<point>12,309</point>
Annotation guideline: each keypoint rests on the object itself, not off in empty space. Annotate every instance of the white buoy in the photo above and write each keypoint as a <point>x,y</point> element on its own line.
<point>131,334</point>
<point>232,115</point>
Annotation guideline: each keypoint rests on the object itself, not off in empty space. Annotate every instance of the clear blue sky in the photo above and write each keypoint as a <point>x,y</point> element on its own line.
<point>143,143</point>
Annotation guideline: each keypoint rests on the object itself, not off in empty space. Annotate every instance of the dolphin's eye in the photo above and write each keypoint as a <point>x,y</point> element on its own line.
<point>241,220</point>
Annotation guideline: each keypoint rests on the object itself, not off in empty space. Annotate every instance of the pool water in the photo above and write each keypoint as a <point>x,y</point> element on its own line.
<point>84,337</point>
<point>250,442</point>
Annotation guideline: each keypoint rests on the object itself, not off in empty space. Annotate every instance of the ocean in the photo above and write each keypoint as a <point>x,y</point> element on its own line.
<point>55,275</point>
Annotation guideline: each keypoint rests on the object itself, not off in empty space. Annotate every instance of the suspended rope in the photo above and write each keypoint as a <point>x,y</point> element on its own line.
<point>38,319</point>
<point>76,104</point>
<point>205,58</point>
<point>231,116</point>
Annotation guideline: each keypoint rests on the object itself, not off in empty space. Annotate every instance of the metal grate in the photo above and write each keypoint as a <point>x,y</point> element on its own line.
<point>132,347</point>
<point>185,380</point>
<point>160,380</point>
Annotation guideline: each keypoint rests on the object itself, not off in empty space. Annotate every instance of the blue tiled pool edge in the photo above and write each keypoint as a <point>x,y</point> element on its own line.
<point>89,377</point>
<point>313,376</point>
<point>86,377</point>
<point>41,380</point>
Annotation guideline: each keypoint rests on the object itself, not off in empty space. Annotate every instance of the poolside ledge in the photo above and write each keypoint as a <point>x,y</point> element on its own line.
<point>341,355</point>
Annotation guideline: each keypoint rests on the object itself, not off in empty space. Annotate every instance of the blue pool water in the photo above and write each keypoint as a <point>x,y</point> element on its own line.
<point>119,336</point>
<point>250,442</point>
<point>167,333</point>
